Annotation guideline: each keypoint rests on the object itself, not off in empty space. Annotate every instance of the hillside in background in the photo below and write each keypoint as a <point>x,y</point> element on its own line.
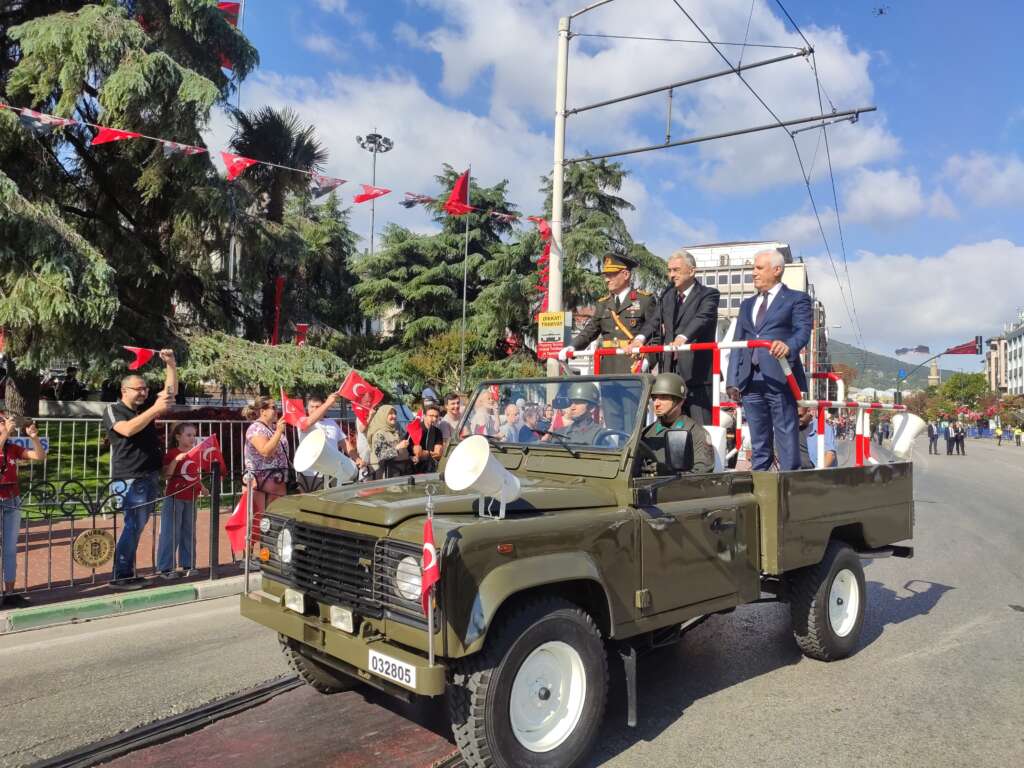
<point>876,370</point>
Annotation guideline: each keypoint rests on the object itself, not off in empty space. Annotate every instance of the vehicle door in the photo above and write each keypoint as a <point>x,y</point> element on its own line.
<point>693,534</point>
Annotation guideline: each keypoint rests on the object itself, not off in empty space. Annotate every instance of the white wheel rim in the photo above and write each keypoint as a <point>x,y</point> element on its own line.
<point>547,697</point>
<point>843,602</point>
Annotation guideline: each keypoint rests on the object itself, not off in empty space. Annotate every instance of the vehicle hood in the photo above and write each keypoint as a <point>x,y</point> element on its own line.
<point>388,504</point>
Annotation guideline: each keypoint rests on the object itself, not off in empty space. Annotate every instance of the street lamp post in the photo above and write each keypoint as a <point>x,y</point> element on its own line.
<point>375,144</point>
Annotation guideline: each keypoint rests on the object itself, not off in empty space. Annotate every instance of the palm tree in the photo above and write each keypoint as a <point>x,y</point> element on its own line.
<point>275,136</point>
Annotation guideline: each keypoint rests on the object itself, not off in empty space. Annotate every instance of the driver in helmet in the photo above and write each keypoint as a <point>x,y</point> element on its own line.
<point>667,396</point>
<point>584,399</point>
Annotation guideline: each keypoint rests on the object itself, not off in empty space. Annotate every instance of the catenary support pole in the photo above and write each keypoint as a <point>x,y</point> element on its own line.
<point>465,283</point>
<point>558,179</point>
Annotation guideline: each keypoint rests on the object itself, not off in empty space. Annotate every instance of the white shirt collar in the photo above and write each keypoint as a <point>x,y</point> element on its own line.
<point>774,291</point>
<point>686,294</point>
<point>623,295</point>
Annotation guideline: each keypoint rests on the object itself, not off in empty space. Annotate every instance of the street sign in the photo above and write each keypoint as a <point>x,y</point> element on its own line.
<point>552,333</point>
<point>902,373</point>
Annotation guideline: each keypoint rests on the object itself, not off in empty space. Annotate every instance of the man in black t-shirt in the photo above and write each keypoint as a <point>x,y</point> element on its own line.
<point>135,461</point>
<point>426,451</point>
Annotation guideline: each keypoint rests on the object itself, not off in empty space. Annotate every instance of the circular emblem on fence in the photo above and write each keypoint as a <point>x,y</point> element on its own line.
<point>93,549</point>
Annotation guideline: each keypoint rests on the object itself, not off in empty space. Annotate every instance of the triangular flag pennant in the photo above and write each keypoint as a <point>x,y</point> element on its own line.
<point>225,62</point>
<point>231,12</point>
<point>369,193</point>
<point>41,124</point>
<point>508,218</point>
<point>172,148</point>
<point>412,200</point>
<point>142,356</point>
<point>107,135</point>
<point>458,200</point>
<point>322,185</point>
<point>542,227</point>
<point>235,164</point>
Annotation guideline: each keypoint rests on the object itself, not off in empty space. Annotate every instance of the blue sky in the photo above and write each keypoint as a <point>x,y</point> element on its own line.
<point>931,186</point>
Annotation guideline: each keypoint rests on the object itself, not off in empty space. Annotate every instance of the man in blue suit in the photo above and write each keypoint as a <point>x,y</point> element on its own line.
<point>785,318</point>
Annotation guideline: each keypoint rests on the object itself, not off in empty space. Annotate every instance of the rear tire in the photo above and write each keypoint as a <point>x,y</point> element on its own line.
<point>536,694</point>
<point>827,604</point>
<point>314,674</point>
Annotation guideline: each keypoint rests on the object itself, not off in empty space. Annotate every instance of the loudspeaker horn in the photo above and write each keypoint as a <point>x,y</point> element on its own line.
<point>906,428</point>
<point>472,467</point>
<point>318,454</point>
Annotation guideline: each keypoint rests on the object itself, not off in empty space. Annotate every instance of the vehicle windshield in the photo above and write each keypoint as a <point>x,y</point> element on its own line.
<point>587,412</point>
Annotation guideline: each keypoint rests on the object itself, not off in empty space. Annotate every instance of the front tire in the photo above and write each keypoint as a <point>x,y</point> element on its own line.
<point>314,674</point>
<point>537,692</point>
<point>827,604</point>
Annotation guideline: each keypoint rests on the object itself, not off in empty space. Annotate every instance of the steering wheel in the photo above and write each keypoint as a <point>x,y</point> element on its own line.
<point>606,432</point>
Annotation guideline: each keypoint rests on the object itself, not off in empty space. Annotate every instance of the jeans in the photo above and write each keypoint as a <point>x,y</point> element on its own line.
<point>177,526</point>
<point>10,510</point>
<point>138,497</point>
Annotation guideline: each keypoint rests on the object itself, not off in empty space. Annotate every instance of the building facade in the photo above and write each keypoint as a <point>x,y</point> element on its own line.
<point>1013,333</point>
<point>729,267</point>
<point>995,365</point>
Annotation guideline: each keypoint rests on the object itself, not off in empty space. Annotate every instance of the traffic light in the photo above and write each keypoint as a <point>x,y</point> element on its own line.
<point>977,345</point>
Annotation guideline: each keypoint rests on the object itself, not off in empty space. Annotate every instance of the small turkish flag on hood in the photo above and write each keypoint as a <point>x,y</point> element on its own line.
<point>142,356</point>
<point>294,411</point>
<point>430,568</point>
<point>458,200</point>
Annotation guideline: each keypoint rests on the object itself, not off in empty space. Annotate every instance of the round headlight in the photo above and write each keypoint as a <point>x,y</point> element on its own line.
<point>284,546</point>
<point>265,525</point>
<point>408,578</point>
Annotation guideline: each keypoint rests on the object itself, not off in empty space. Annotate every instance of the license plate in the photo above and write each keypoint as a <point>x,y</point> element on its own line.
<point>393,669</point>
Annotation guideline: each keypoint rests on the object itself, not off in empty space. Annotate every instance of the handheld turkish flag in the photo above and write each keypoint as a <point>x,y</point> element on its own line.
<point>142,356</point>
<point>360,391</point>
<point>235,164</point>
<point>430,571</point>
<point>369,193</point>
<point>414,430</point>
<point>458,200</point>
<point>294,410</point>
<point>235,525</point>
<point>107,135</point>
<point>207,452</point>
<point>363,414</point>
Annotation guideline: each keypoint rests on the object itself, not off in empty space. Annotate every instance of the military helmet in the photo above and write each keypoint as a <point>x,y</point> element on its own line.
<point>585,390</point>
<point>670,384</point>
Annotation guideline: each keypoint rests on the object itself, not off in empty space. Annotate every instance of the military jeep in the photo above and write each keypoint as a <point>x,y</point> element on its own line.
<point>594,562</point>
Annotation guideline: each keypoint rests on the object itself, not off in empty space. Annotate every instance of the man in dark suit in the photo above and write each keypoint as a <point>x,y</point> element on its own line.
<point>687,313</point>
<point>785,318</point>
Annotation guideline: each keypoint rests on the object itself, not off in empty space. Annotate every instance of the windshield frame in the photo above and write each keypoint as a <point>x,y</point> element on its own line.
<point>643,380</point>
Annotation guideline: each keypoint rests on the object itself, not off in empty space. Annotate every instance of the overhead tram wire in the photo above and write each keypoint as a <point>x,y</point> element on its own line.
<point>803,171</point>
<point>746,34</point>
<point>683,40</point>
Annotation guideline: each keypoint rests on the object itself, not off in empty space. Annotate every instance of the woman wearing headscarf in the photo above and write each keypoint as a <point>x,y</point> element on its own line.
<point>389,448</point>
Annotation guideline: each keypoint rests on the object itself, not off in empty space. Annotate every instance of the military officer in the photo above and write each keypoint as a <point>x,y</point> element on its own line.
<point>618,316</point>
<point>667,396</point>
<point>584,399</point>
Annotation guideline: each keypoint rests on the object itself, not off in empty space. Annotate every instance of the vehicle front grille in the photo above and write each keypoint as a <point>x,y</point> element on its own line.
<point>334,567</point>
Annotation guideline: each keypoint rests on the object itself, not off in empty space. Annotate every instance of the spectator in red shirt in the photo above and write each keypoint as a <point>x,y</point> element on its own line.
<point>178,514</point>
<point>10,501</point>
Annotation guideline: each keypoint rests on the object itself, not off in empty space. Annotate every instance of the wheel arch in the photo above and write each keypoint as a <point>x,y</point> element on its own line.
<point>572,576</point>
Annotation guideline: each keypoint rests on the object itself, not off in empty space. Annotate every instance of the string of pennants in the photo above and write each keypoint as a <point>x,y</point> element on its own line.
<point>42,124</point>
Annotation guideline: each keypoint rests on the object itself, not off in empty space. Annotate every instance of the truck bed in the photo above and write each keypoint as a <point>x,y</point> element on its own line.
<point>869,507</point>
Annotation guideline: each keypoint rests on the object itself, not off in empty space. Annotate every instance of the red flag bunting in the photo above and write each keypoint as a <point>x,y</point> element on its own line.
<point>431,570</point>
<point>412,200</point>
<point>235,164</point>
<point>207,452</point>
<point>235,525</point>
<point>968,348</point>
<point>321,185</point>
<point>294,411</point>
<point>369,193</point>
<point>174,148</point>
<point>358,390</point>
<point>458,200</point>
<point>542,227</point>
<point>107,135</point>
<point>142,356</point>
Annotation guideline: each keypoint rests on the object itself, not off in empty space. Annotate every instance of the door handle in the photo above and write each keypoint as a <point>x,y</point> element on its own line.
<point>718,525</point>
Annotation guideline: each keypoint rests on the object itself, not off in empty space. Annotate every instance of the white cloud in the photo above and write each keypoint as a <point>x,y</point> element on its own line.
<point>520,60</point>
<point>801,229</point>
<point>323,44</point>
<point>988,180</point>
<point>905,301</point>
<point>339,6</point>
<point>890,196</point>
<point>940,206</point>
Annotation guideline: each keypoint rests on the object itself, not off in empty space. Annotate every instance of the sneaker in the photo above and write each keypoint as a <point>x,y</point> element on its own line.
<point>189,573</point>
<point>15,601</point>
<point>127,584</point>
<point>169,575</point>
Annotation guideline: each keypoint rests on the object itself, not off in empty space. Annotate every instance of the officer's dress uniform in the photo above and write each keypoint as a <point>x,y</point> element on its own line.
<point>653,459</point>
<point>616,320</point>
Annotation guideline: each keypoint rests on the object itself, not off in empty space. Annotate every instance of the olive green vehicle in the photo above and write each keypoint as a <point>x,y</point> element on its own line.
<point>591,565</point>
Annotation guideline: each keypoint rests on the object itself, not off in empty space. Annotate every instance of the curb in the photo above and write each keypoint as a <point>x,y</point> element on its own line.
<point>73,611</point>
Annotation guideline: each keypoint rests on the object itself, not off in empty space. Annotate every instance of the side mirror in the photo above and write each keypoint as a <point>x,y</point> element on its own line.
<point>678,450</point>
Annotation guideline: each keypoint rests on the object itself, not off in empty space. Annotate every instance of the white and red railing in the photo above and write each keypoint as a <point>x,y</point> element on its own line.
<point>862,430</point>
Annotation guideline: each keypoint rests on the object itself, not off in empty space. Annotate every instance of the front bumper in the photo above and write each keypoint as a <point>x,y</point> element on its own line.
<point>319,635</point>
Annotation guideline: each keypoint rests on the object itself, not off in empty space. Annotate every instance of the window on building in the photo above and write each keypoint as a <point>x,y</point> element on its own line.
<point>734,303</point>
<point>710,279</point>
<point>736,278</point>
<point>748,277</point>
<point>723,301</point>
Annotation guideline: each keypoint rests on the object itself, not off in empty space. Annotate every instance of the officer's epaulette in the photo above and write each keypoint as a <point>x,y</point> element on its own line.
<point>605,297</point>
